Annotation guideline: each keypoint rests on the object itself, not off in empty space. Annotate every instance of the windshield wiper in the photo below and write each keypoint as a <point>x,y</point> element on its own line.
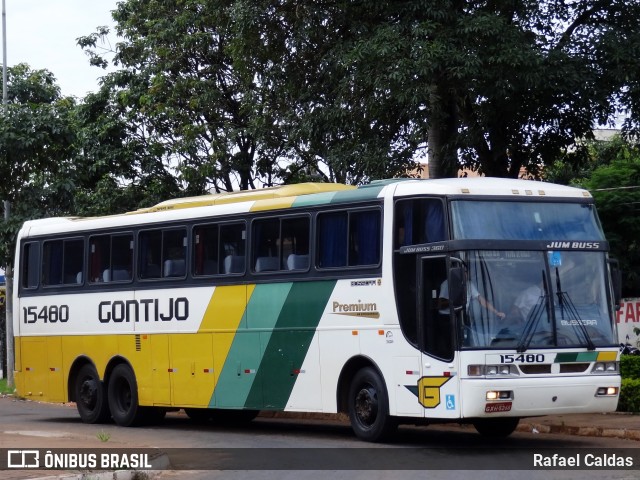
<point>565,303</point>
<point>533,319</point>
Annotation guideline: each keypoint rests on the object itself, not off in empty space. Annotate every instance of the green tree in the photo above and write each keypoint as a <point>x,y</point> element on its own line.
<point>60,158</point>
<point>179,86</point>
<point>609,168</point>
<point>494,86</point>
<point>243,92</point>
<point>615,185</point>
<point>338,122</point>
<point>230,115</point>
<point>36,144</point>
<point>117,166</point>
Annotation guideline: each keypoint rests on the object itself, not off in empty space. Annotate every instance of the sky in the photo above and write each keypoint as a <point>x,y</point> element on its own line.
<point>43,34</point>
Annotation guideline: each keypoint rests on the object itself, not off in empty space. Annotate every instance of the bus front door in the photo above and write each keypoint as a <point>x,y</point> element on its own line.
<point>438,390</point>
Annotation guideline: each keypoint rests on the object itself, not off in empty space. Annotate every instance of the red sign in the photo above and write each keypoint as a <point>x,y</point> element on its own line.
<point>497,407</point>
<point>628,320</point>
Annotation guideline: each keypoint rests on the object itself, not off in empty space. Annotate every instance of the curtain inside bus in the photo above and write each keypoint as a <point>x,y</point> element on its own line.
<point>419,221</point>
<point>332,240</point>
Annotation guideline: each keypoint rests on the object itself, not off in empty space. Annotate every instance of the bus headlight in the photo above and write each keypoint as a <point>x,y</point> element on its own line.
<point>491,370</point>
<point>499,395</point>
<point>605,367</point>
<point>607,392</point>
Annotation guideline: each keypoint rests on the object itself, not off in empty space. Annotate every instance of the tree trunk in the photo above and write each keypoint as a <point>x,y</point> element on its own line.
<point>441,134</point>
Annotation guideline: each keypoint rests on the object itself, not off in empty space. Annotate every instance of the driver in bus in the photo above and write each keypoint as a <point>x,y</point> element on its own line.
<point>472,295</point>
<point>525,302</point>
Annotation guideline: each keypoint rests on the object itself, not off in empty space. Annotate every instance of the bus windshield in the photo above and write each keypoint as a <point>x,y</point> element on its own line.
<point>525,221</point>
<point>533,299</point>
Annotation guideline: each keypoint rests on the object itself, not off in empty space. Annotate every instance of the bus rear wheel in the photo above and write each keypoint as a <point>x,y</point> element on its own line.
<point>496,427</point>
<point>123,397</point>
<point>90,396</point>
<point>369,407</point>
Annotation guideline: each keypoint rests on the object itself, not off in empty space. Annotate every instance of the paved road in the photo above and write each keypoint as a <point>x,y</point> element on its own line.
<point>34,425</point>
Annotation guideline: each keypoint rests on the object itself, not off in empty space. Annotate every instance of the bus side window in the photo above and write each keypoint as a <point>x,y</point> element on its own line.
<point>295,243</point>
<point>99,259</point>
<point>121,257</point>
<point>434,226</point>
<point>266,245</point>
<point>419,221</point>
<point>349,239</point>
<point>63,262</point>
<point>364,238</point>
<point>174,253</point>
<point>110,258</point>
<point>149,253</point>
<point>73,261</point>
<point>232,247</point>
<point>205,250</point>
<point>281,244</point>
<point>30,265</point>
<point>52,263</point>
<point>332,239</point>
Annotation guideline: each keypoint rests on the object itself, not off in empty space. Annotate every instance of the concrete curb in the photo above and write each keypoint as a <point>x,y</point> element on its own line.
<point>627,434</point>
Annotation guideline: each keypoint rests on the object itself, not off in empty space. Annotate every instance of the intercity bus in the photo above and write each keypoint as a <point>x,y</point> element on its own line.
<point>472,300</point>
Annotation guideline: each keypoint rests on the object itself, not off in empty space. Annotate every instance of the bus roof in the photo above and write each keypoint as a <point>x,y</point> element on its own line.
<point>246,196</point>
<point>488,186</point>
<point>319,193</point>
<point>303,195</point>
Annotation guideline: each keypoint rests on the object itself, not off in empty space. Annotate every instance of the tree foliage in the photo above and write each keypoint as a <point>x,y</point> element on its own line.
<point>178,86</point>
<point>60,158</point>
<point>246,91</point>
<point>615,185</point>
<point>498,85</point>
<point>36,144</point>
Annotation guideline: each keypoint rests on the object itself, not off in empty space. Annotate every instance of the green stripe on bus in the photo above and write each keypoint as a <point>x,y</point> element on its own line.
<point>289,343</point>
<point>245,356</point>
<point>362,193</point>
<point>313,199</point>
<point>366,192</point>
<point>572,357</point>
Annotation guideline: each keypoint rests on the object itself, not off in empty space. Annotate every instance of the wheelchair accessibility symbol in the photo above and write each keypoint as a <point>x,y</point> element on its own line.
<point>450,402</point>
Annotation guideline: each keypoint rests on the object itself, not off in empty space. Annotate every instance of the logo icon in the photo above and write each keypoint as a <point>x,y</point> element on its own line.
<point>429,390</point>
<point>23,459</point>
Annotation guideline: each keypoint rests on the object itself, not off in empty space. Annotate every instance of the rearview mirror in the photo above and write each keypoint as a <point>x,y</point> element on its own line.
<point>616,282</point>
<point>456,287</point>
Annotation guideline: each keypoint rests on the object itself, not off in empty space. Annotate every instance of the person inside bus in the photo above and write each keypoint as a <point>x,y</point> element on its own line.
<point>474,324</point>
<point>525,302</point>
<point>522,307</point>
<point>472,295</point>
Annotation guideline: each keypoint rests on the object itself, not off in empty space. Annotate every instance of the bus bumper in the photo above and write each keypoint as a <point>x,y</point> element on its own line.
<point>527,397</point>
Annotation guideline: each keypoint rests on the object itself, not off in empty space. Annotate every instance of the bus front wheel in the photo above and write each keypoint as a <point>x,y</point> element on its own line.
<point>123,397</point>
<point>369,407</point>
<point>496,427</point>
<point>90,396</point>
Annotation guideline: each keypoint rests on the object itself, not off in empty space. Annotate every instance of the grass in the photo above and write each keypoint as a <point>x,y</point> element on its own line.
<point>3,386</point>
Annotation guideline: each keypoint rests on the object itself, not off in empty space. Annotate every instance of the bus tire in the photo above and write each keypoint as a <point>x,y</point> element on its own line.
<point>123,397</point>
<point>496,427</point>
<point>368,405</point>
<point>90,396</point>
